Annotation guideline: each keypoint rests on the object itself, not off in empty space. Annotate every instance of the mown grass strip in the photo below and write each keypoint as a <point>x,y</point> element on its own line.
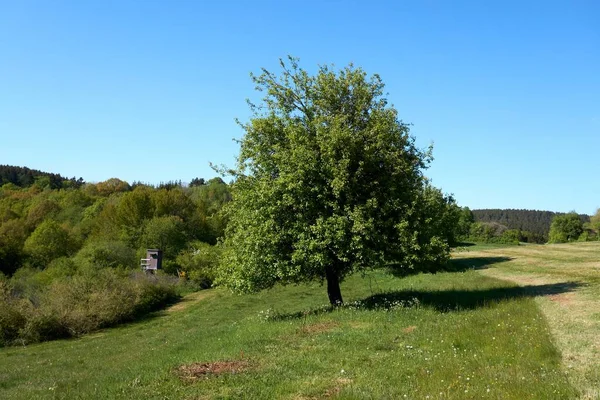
<point>572,315</point>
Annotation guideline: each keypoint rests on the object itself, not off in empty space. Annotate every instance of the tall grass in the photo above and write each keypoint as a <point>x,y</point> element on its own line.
<point>71,306</point>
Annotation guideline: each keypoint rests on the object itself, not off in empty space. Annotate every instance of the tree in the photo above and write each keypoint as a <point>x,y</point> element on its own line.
<point>465,220</point>
<point>49,241</point>
<point>565,228</point>
<point>134,209</point>
<point>594,224</point>
<point>199,263</point>
<point>326,184</point>
<point>166,233</point>
<point>197,182</point>
<point>12,237</point>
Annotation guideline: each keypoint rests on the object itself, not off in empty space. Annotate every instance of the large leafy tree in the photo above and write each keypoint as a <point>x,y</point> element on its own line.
<point>565,228</point>
<point>50,240</point>
<point>327,183</point>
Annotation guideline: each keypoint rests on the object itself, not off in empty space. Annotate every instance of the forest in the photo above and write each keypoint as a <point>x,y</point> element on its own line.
<point>70,253</point>
<point>533,225</point>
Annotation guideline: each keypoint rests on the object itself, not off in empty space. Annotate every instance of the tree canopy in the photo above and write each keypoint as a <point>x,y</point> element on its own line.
<point>328,182</point>
<point>565,228</point>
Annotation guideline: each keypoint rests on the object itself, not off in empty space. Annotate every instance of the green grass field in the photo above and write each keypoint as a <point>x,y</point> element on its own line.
<point>486,331</point>
<point>573,315</point>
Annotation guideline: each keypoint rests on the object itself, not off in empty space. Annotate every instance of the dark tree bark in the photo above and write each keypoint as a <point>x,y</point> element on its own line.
<point>333,287</point>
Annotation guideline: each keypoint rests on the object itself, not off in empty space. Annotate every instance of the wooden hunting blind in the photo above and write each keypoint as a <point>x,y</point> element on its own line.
<point>153,260</point>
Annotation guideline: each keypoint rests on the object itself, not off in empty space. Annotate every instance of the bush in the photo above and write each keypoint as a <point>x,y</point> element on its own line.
<point>49,241</point>
<point>78,304</point>
<point>108,253</point>
<point>200,263</point>
<point>11,320</point>
<point>565,228</point>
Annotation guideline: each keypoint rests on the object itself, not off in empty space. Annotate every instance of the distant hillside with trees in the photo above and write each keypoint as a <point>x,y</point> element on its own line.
<point>534,223</point>
<point>24,177</point>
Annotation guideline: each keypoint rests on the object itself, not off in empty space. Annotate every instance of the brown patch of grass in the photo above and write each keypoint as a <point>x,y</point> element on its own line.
<point>318,327</point>
<point>194,371</point>
<point>562,298</point>
<point>409,329</point>
<point>338,386</point>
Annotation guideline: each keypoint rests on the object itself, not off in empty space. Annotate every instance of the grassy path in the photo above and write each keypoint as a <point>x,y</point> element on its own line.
<point>573,315</point>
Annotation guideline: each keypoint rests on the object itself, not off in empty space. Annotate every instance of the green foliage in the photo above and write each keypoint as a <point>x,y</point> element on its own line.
<point>592,228</point>
<point>40,211</point>
<point>493,232</point>
<point>109,253</point>
<point>565,228</point>
<point>326,181</point>
<point>435,225</point>
<point>199,263</point>
<point>209,198</point>
<point>25,177</point>
<point>173,202</point>
<point>60,268</point>
<point>110,186</point>
<point>166,233</point>
<point>108,219</point>
<point>57,245</point>
<point>49,241</point>
<point>534,225</point>
<point>463,226</point>
<point>13,234</point>
<point>34,308</point>
<point>132,211</point>
<point>511,236</point>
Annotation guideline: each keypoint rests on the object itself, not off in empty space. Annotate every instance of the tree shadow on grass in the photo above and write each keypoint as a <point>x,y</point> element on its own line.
<point>456,300</point>
<point>441,300</point>
<point>453,265</point>
<point>464,264</point>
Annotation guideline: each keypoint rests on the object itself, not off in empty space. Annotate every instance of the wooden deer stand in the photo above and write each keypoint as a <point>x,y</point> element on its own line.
<point>152,262</point>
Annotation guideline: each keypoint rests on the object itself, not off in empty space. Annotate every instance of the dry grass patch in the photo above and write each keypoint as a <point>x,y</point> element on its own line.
<point>337,387</point>
<point>195,371</point>
<point>318,327</point>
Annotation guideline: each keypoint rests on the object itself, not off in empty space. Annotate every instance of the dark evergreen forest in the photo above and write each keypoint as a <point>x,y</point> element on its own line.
<point>535,221</point>
<point>25,177</point>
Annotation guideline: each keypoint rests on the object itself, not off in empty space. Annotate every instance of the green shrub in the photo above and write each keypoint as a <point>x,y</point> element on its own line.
<point>107,253</point>
<point>565,228</point>
<point>199,263</point>
<point>49,241</point>
<point>493,232</point>
<point>11,319</point>
<point>89,300</point>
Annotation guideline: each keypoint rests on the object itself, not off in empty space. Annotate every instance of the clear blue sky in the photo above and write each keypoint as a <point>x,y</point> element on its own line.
<point>508,92</point>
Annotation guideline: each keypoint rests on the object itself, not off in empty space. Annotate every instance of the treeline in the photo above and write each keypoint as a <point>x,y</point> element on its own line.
<point>24,177</point>
<point>70,256</point>
<point>530,225</point>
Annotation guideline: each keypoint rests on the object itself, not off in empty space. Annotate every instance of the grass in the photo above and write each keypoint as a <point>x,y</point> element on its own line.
<point>456,335</point>
<point>573,316</point>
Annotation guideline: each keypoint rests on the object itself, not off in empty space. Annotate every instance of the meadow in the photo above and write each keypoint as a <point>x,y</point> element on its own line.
<point>516,322</point>
<point>572,315</point>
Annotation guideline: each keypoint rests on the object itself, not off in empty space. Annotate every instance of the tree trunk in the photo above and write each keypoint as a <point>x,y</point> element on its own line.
<point>333,287</point>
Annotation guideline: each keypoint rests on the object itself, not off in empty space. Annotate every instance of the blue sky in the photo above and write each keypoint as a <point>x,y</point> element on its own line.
<point>508,92</point>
